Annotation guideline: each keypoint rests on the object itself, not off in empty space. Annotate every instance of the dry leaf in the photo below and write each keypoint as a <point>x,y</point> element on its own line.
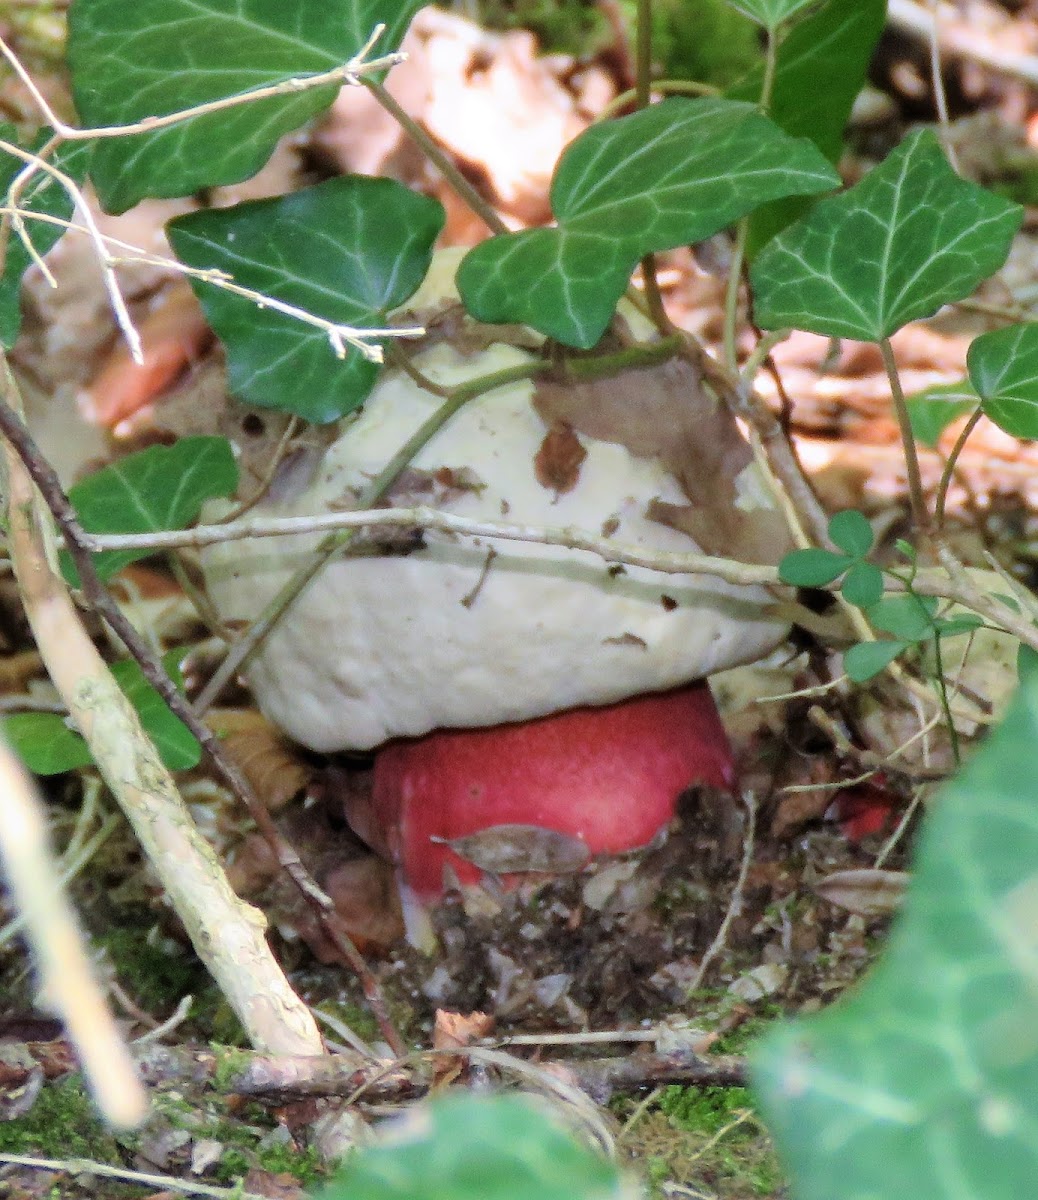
<point>507,849</point>
<point>558,461</point>
<point>866,891</point>
<point>271,763</point>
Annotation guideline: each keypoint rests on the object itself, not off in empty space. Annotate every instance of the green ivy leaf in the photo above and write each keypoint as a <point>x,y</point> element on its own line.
<point>863,586</point>
<point>822,64</point>
<point>347,250</point>
<point>867,659</point>
<point>48,745</point>
<point>43,195</point>
<point>156,57</point>
<point>177,746</point>
<point>931,411</point>
<point>851,531</point>
<point>45,743</point>
<point>910,237</point>
<point>812,567</point>
<point>1003,367</point>
<point>478,1148</point>
<point>905,616</point>
<point>920,1082</point>
<point>674,173</point>
<point>163,487</point>
<point>770,13</point>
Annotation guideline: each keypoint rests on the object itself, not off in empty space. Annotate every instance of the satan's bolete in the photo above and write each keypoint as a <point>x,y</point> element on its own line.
<point>497,675</point>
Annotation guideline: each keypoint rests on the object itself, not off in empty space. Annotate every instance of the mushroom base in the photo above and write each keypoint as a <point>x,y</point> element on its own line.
<point>608,776</point>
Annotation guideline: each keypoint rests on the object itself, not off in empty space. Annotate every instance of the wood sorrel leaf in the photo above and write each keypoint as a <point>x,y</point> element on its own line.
<point>347,250</point>
<point>931,411</point>
<point>813,567</point>
<point>770,13</point>
<point>157,57</point>
<point>920,1081</point>
<point>911,236</point>
<point>863,585</point>
<point>162,487</point>
<point>45,742</point>
<point>673,173</point>
<point>1003,367</point>
<point>43,195</point>
<point>865,660</point>
<point>851,531</point>
<point>906,616</point>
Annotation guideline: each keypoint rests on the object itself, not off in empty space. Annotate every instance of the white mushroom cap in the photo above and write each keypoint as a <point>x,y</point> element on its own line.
<point>382,646</point>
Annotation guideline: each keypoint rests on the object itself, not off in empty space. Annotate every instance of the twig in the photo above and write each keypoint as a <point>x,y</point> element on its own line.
<point>168,1183</point>
<point>66,975</point>
<point>275,1004</point>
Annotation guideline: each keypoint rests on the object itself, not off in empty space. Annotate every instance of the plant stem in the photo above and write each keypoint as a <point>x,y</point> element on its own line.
<point>437,156</point>
<point>942,691</point>
<point>920,516</point>
<point>949,466</point>
<point>665,87</point>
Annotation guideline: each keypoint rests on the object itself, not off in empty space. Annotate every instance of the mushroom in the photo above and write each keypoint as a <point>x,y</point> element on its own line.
<point>534,691</point>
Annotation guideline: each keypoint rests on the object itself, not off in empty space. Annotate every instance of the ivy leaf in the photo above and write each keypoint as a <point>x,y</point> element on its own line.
<point>43,195</point>
<point>770,13</point>
<point>863,586</point>
<point>162,487</point>
<point>910,237</point>
<point>45,743</point>
<point>49,746</point>
<point>478,1148</point>
<point>813,567</point>
<point>674,173</point>
<point>932,410</point>
<point>347,250</point>
<point>906,616</point>
<point>821,66</point>
<point>176,744</point>
<point>851,531</point>
<point>920,1081</point>
<point>156,57</point>
<point>865,660</point>
<point>1003,367</point>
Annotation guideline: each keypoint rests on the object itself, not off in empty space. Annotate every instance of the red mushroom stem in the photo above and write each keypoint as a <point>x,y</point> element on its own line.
<point>610,776</point>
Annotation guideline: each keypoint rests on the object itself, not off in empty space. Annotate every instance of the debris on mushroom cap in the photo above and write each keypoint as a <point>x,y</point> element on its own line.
<point>432,630</point>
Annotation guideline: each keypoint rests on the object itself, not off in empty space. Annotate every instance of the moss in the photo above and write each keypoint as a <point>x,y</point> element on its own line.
<point>154,972</point>
<point>62,1123</point>
<point>229,1061</point>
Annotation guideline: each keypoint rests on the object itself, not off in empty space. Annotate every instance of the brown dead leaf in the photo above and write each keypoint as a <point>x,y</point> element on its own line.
<point>270,762</point>
<point>665,412</point>
<point>558,461</point>
<point>866,891</point>
<point>507,849</point>
<point>453,1029</point>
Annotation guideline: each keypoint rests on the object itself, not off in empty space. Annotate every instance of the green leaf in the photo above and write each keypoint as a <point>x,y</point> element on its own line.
<point>851,531</point>
<point>951,626</point>
<point>176,744</point>
<point>478,1148</point>
<point>812,567</point>
<point>1027,664</point>
<point>866,659</point>
<point>920,1082</point>
<point>45,743</point>
<point>157,57</point>
<point>674,173</point>
<point>162,487</point>
<point>43,195</point>
<point>863,586</point>
<point>770,13</point>
<point>931,411</point>
<point>910,237</point>
<point>1003,367</point>
<point>347,250</point>
<point>821,67</point>
<point>906,616</point>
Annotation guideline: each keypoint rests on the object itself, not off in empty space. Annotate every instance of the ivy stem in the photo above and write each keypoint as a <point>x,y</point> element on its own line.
<point>942,691</point>
<point>436,155</point>
<point>949,466</point>
<point>920,516</point>
<point>665,87</point>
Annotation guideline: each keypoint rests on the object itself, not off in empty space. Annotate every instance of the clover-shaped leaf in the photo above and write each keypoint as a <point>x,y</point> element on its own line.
<point>815,567</point>
<point>851,531</point>
<point>920,1081</point>
<point>1003,367</point>
<point>43,195</point>
<point>867,659</point>
<point>157,57</point>
<point>910,237</point>
<point>162,487</point>
<point>347,250</point>
<point>932,410</point>
<point>674,173</point>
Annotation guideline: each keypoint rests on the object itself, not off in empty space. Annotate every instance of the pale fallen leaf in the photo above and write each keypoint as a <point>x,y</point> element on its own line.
<point>867,891</point>
<point>505,849</point>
